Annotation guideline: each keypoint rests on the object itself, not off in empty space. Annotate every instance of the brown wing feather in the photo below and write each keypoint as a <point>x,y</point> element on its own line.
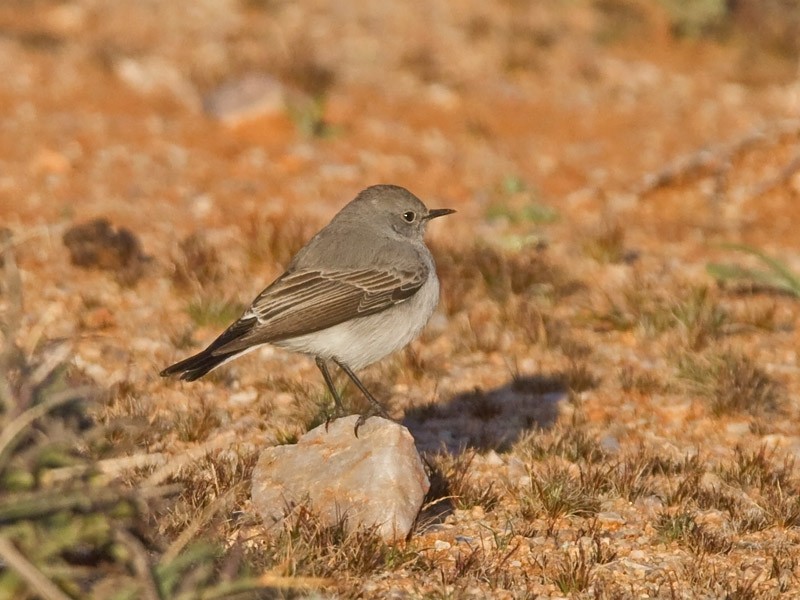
<point>307,301</point>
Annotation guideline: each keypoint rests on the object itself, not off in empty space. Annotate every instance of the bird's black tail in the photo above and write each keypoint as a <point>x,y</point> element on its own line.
<point>201,363</point>
<point>198,365</point>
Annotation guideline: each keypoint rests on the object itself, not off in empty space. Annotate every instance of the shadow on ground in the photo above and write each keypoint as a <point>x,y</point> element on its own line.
<point>488,419</point>
<point>481,420</point>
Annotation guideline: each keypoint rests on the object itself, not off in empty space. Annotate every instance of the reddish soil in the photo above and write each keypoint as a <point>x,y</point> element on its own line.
<point>566,109</point>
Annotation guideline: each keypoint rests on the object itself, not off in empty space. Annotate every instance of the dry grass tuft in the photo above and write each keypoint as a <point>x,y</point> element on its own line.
<point>579,378</point>
<point>570,443</point>
<point>274,239</point>
<point>694,313</point>
<point>222,477</point>
<point>215,313</point>
<point>554,491</point>
<point>481,566</point>
<point>198,264</point>
<point>758,469</point>
<point>98,244</point>
<point>639,381</point>
<point>646,472</point>
<point>607,245</point>
<point>684,528</point>
<point>574,571</point>
<point>781,507</point>
<point>451,479</point>
<point>482,270</point>
<point>731,383</point>
<point>633,475</point>
<point>306,547</point>
<point>196,423</point>
<point>699,318</point>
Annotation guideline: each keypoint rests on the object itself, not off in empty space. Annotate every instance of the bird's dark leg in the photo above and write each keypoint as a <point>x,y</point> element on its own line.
<point>326,375</point>
<point>377,409</point>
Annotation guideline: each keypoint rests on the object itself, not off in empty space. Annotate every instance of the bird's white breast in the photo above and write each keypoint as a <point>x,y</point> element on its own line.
<point>365,340</point>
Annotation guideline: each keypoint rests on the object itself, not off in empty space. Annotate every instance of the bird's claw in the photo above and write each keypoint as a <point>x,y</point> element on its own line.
<point>375,411</point>
<point>337,413</point>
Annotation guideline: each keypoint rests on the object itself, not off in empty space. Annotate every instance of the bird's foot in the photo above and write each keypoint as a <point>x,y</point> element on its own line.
<point>375,411</point>
<point>337,413</point>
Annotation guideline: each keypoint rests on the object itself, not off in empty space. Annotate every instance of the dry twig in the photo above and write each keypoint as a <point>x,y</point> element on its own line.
<point>38,504</point>
<point>176,463</point>
<point>13,429</point>
<point>718,159</point>
<point>12,284</point>
<point>141,565</point>
<point>204,517</point>
<point>28,571</point>
<point>769,184</point>
<point>110,468</point>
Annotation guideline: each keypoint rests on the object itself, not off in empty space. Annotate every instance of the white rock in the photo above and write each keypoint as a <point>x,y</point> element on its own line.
<point>375,479</point>
<point>247,396</point>
<point>153,75</point>
<point>493,459</point>
<point>440,545</point>
<point>738,428</point>
<point>609,517</point>
<point>250,96</point>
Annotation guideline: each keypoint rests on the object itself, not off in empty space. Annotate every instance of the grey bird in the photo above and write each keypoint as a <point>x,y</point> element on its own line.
<point>360,289</point>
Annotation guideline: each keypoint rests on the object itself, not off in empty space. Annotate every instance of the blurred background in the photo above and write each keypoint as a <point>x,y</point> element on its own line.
<point>220,107</point>
<point>161,161</point>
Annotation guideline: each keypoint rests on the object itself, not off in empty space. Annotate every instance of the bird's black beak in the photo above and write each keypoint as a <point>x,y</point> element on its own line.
<point>438,212</point>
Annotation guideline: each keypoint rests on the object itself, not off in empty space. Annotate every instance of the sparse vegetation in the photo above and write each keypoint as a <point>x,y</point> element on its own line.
<point>516,207</point>
<point>731,383</point>
<point>579,378</point>
<point>198,263</point>
<point>276,238</point>
<point>66,527</point>
<point>642,382</point>
<point>308,115</point>
<point>758,469</point>
<point>452,473</point>
<point>694,313</point>
<point>699,318</point>
<point>572,443</point>
<point>555,491</point>
<point>575,570</point>
<point>607,245</point>
<point>501,275</point>
<point>307,548</point>
<point>210,312</point>
<point>684,528</point>
<point>607,397</point>
<point>777,276</point>
<point>197,423</point>
<point>702,17</point>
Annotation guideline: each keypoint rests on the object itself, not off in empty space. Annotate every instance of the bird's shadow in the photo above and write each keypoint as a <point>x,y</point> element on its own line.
<point>480,421</point>
<point>484,420</point>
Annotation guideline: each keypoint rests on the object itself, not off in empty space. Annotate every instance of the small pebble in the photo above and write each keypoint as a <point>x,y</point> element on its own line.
<point>440,545</point>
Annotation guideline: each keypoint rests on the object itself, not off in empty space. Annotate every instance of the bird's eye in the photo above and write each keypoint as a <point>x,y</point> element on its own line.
<point>409,216</point>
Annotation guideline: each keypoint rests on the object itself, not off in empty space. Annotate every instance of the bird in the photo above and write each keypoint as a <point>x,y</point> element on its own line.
<point>362,288</point>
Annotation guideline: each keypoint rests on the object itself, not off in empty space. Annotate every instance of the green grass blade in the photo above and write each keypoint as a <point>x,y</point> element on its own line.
<point>729,272</point>
<point>791,282</point>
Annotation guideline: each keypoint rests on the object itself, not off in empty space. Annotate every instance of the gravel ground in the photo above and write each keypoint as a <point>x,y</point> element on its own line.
<point>604,417</point>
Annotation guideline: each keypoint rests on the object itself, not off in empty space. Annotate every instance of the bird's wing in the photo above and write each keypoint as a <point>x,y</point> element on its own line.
<point>305,301</point>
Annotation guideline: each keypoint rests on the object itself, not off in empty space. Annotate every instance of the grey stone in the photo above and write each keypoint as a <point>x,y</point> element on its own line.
<point>250,96</point>
<point>153,75</point>
<point>376,479</point>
